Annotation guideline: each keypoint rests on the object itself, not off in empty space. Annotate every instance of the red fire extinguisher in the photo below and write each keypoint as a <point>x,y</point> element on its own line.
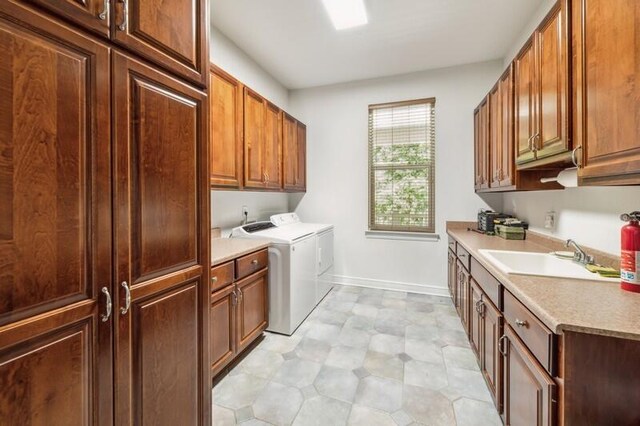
<point>630,254</point>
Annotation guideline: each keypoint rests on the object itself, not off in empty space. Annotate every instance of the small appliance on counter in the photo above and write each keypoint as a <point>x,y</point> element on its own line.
<point>486,220</point>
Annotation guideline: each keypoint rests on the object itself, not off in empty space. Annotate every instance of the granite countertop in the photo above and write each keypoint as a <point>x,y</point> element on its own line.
<point>592,307</point>
<point>225,249</point>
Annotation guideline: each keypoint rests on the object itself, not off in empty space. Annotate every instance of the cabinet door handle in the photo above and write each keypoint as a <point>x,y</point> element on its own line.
<point>108,305</point>
<point>521,323</point>
<point>574,157</point>
<point>105,11</point>
<point>254,262</point>
<point>127,298</point>
<point>240,296</point>
<point>125,20</point>
<point>234,298</point>
<point>530,144</point>
<point>502,351</point>
<point>214,280</point>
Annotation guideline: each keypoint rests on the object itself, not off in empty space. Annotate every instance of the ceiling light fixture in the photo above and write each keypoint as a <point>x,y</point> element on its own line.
<point>346,13</point>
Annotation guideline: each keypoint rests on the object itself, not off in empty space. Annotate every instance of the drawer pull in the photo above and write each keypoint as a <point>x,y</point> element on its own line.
<point>502,351</point>
<point>521,323</point>
<point>214,279</point>
<point>254,262</point>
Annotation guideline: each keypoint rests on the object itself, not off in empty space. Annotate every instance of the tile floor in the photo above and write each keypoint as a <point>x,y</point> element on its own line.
<point>363,357</point>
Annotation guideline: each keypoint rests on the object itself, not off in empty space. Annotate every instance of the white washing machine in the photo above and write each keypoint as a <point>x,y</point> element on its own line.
<point>324,248</point>
<point>292,273</point>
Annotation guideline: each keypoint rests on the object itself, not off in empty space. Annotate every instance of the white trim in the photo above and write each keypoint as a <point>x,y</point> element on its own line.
<point>432,290</point>
<point>404,236</point>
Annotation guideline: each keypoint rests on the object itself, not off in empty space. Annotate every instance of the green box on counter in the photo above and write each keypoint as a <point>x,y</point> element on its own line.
<point>510,232</point>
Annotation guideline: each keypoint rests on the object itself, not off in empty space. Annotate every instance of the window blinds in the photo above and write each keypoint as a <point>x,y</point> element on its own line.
<point>402,166</point>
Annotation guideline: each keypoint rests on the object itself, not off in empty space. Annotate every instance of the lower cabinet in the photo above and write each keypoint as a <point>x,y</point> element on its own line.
<point>239,309</point>
<point>529,392</point>
<point>463,295</point>
<point>491,359</point>
<point>451,278</point>
<point>475,318</point>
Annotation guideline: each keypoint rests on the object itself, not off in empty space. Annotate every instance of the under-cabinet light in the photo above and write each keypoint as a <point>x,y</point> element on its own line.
<point>346,13</point>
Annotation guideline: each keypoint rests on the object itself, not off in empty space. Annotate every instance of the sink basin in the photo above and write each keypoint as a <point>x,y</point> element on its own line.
<point>539,264</point>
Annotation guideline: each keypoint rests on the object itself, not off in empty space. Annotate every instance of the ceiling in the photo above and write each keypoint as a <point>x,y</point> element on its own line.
<point>295,41</point>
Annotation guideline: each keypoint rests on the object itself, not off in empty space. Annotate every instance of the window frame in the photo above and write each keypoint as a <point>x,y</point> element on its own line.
<point>430,169</point>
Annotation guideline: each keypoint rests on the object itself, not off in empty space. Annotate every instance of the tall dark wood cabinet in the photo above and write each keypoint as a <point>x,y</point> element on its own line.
<point>104,229</point>
<point>55,223</point>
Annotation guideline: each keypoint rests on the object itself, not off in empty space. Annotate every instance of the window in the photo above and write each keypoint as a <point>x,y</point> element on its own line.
<point>402,166</point>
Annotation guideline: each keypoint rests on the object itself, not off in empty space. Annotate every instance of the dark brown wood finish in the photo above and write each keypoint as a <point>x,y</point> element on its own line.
<point>172,34</point>
<point>490,357</point>
<point>451,278</point>
<point>301,177</point>
<point>161,255</point>
<point>251,263</point>
<point>495,135</point>
<point>55,227</point>
<point>222,275</point>
<point>223,328</point>
<point>529,393</point>
<point>254,140</point>
<point>93,15</point>
<point>482,159</point>
<point>475,318</point>
<point>487,282</point>
<point>463,294</point>
<point>252,309</point>
<point>273,146</point>
<point>525,103</point>
<point>289,152</point>
<point>505,169</point>
<point>227,123</point>
<point>607,90</point>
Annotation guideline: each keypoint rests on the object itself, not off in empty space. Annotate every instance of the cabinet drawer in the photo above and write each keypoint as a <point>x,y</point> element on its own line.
<point>222,276</point>
<point>487,282</point>
<point>251,263</point>
<point>463,255</point>
<point>452,244</point>
<point>538,338</point>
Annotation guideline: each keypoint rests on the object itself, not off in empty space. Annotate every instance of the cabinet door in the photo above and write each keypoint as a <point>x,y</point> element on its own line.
<point>289,152</point>
<point>463,295</point>
<point>273,146</point>
<point>506,172</point>
<point>451,278</point>
<point>301,179</point>
<point>222,328</point>
<point>161,197</point>
<point>171,33</point>
<point>55,223</point>
<point>477,149</point>
<point>495,136</point>
<point>607,83</point>
<point>226,121</point>
<point>529,392</point>
<point>552,45</point>
<point>254,140</point>
<point>475,318</point>
<point>94,15</point>
<point>525,103</point>
<point>482,146</point>
<point>253,308</point>
<point>489,354</point>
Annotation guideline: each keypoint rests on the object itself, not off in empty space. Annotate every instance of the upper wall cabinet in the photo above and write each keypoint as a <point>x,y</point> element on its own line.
<point>254,144</point>
<point>542,93</point>
<point>481,143</point>
<point>607,90</point>
<point>226,122</point>
<point>172,34</point>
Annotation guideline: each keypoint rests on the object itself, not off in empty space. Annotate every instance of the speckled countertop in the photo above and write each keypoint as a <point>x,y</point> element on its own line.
<point>225,249</point>
<point>562,304</point>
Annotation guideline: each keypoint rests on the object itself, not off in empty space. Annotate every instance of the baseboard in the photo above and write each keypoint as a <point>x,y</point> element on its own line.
<point>431,290</point>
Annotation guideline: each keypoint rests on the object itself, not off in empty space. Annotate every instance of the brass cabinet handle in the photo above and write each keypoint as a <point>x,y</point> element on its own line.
<point>125,20</point>
<point>521,323</point>
<point>214,280</point>
<point>108,305</point>
<point>530,144</point>
<point>105,11</point>
<point>502,351</point>
<point>240,296</point>
<point>127,298</point>
<point>254,262</point>
<point>234,297</point>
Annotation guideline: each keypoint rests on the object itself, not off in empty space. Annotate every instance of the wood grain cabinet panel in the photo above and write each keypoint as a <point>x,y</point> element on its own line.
<point>451,278</point>
<point>525,103</point>
<point>253,311</point>
<point>506,162</point>
<point>55,226</point>
<point>160,143</point>
<point>93,15</point>
<point>170,33</point>
<point>495,135</point>
<point>529,393</point>
<point>254,140</point>
<point>481,145</point>
<point>289,153</point>
<point>490,357</point>
<point>475,318</point>
<point>223,328</point>
<point>463,295</point>
<point>226,121</point>
<point>301,179</point>
<point>273,146</point>
<point>607,85</point>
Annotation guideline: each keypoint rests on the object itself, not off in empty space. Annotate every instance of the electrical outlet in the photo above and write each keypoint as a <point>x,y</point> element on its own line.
<point>550,220</point>
<point>245,212</point>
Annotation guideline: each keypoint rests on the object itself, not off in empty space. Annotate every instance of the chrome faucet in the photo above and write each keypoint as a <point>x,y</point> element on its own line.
<point>579,255</point>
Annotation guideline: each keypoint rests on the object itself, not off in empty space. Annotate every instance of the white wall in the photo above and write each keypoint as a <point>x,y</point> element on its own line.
<point>336,118</point>
<point>588,215</point>
<point>226,206</point>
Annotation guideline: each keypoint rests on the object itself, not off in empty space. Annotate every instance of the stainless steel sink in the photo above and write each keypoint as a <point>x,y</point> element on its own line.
<point>539,264</point>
